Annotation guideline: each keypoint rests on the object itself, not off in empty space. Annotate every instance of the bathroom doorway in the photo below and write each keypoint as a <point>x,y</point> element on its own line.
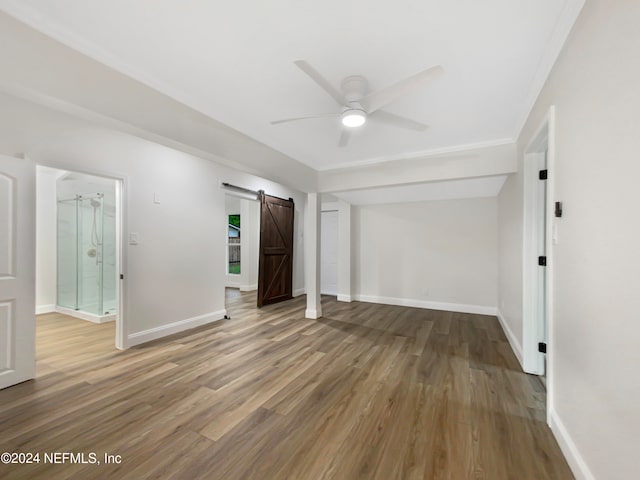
<point>77,249</point>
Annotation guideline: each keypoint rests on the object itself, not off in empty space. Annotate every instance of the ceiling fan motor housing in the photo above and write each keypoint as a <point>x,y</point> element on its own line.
<point>354,88</point>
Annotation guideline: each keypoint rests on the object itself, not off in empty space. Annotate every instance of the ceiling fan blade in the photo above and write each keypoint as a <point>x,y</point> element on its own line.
<point>398,121</point>
<point>345,136</point>
<point>320,80</point>
<point>376,100</point>
<point>308,117</point>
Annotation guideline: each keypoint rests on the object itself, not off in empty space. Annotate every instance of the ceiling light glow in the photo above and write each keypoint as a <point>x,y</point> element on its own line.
<point>353,118</point>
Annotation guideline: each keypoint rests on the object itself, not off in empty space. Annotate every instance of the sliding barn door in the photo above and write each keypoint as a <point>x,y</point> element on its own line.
<point>275,282</point>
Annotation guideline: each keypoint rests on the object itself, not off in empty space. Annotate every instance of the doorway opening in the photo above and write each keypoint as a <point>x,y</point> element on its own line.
<point>329,253</point>
<point>242,226</point>
<point>538,237</point>
<point>78,253</point>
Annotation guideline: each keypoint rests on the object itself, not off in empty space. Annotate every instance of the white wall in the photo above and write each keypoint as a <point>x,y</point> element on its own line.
<point>595,333</point>
<point>345,263</point>
<point>176,272</point>
<point>250,223</point>
<point>45,240</point>
<point>329,252</point>
<point>510,238</point>
<point>440,254</point>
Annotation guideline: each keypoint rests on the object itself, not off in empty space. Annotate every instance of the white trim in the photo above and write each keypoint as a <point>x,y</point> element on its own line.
<point>409,302</point>
<point>90,317</point>
<point>551,219</point>
<point>533,361</point>
<point>513,340</point>
<point>556,42</point>
<point>175,327</point>
<point>248,288</point>
<point>330,207</point>
<point>121,262</point>
<point>416,155</point>
<point>40,309</point>
<point>345,298</point>
<point>56,104</point>
<point>569,449</point>
<point>299,291</point>
<point>310,313</point>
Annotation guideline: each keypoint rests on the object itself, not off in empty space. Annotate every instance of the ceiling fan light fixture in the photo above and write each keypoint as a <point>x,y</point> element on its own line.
<point>353,118</point>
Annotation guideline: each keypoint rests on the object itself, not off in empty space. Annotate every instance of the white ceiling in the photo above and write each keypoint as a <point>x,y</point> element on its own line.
<point>234,62</point>
<point>447,190</point>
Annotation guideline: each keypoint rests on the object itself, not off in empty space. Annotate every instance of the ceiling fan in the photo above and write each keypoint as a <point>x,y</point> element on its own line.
<point>359,104</point>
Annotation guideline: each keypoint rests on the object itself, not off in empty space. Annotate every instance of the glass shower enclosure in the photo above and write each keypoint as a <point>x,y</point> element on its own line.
<point>87,256</point>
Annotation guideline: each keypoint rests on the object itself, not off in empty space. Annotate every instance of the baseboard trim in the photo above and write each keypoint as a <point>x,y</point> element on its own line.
<point>40,309</point>
<point>345,298</point>
<point>569,449</point>
<point>89,317</point>
<point>513,341</point>
<point>313,314</point>
<point>175,327</point>
<point>409,302</point>
<point>248,288</point>
<point>300,291</point>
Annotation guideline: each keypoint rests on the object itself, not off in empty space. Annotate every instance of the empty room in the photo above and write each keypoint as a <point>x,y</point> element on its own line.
<point>319,240</point>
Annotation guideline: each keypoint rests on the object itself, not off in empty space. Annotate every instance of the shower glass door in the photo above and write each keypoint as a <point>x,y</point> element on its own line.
<point>67,239</point>
<point>81,253</point>
<point>90,230</point>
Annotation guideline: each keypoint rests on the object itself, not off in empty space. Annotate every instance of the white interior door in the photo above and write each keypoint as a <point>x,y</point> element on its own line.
<point>541,213</point>
<point>17,270</point>
<point>329,253</point>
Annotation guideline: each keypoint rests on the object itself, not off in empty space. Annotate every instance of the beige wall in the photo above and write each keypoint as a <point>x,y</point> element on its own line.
<point>595,86</point>
<point>430,254</point>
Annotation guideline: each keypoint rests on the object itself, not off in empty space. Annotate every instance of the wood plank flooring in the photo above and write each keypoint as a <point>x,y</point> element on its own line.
<point>367,392</point>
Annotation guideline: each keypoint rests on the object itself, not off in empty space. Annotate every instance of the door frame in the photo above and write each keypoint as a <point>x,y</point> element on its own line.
<point>121,187</point>
<point>543,140</point>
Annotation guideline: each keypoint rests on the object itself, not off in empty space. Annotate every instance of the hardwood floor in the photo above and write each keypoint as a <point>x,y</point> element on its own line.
<point>367,392</point>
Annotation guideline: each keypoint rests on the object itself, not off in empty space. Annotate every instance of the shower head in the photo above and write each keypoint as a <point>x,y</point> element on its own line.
<point>95,203</point>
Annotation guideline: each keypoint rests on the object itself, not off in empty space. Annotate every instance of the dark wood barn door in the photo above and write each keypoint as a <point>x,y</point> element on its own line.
<point>275,276</point>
